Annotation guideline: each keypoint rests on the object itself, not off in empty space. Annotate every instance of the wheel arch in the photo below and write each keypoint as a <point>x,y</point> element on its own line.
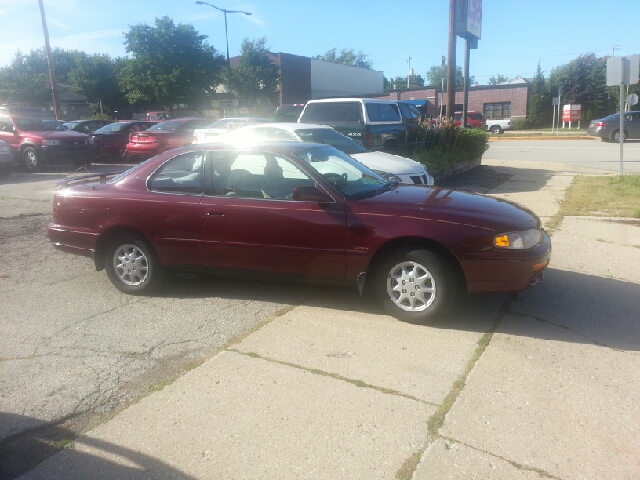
<point>416,243</point>
<point>108,235</point>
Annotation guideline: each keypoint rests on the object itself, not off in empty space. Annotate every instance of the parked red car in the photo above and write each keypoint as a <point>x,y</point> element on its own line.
<point>38,139</point>
<point>163,136</point>
<point>111,140</point>
<point>297,211</point>
<point>474,120</point>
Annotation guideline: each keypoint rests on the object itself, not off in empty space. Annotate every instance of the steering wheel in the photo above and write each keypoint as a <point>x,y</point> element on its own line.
<point>336,180</point>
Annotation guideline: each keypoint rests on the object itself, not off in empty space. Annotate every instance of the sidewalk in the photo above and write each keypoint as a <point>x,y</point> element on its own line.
<point>542,386</point>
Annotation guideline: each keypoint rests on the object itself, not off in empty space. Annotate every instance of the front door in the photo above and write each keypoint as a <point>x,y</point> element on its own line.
<point>251,222</point>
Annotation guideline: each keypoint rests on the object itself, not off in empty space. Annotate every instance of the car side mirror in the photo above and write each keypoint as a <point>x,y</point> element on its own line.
<point>310,194</point>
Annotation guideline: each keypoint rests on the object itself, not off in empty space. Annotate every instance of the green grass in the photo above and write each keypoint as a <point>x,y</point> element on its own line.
<point>610,196</point>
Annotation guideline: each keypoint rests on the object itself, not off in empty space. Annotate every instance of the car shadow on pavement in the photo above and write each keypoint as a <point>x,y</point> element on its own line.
<point>485,178</point>
<point>600,311</point>
<point>25,451</point>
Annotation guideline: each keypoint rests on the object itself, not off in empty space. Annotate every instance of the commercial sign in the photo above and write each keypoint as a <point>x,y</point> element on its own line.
<point>469,18</point>
<point>571,113</point>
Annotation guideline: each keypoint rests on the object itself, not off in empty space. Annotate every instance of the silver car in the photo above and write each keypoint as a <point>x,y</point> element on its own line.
<point>391,167</point>
<point>6,156</point>
<point>608,128</point>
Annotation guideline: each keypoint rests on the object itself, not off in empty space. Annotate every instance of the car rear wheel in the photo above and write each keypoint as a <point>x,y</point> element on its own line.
<point>415,285</point>
<point>132,265</point>
<point>496,130</point>
<point>31,160</point>
<point>615,136</point>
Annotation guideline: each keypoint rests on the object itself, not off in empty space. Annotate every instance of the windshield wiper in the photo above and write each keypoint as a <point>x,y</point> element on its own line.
<point>376,191</point>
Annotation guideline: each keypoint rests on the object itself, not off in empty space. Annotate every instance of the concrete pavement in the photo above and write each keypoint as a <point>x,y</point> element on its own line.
<point>544,385</point>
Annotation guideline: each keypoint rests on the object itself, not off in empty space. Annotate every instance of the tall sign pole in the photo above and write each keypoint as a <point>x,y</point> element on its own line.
<point>451,67</point>
<point>469,27</point>
<point>622,71</point>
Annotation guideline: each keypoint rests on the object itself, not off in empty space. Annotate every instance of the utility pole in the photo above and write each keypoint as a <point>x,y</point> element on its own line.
<point>613,51</point>
<point>52,71</point>
<point>451,71</point>
<point>409,74</point>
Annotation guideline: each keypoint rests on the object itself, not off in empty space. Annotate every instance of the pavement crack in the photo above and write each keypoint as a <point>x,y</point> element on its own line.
<point>315,371</point>
<point>517,465</point>
<point>564,327</point>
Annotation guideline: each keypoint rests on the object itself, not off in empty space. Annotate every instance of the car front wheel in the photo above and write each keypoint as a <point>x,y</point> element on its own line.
<point>415,285</point>
<point>31,159</point>
<point>496,130</point>
<point>132,265</point>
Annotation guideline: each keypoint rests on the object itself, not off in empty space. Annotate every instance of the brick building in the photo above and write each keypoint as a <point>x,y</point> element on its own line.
<point>495,101</point>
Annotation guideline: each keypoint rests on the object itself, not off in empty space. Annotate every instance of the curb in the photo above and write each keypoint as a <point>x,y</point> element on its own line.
<point>496,138</point>
<point>625,220</point>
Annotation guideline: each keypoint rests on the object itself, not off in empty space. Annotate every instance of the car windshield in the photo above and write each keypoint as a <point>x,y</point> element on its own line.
<point>37,124</point>
<point>112,128</point>
<point>70,125</point>
<point>347,175</point>
<point>329,136</point>
<point>169,126</point>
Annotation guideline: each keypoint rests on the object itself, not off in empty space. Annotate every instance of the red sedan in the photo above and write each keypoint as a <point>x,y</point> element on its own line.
<point>297,211</point>
<point>163,136</point>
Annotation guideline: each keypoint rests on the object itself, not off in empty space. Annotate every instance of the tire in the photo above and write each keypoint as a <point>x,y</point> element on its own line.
<point>132,265</point>
<point>31,160</point>
<point>429,285</point>
<point>615,136</point>
<point>496,130</point>
<point>82,163</point>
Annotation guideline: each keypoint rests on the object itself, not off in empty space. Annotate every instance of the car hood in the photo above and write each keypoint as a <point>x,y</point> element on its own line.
<point>389,163</point>
<point>445,204</point>
<point>56,134</point>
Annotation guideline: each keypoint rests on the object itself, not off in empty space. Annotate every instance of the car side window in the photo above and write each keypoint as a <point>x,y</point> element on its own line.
<point>5,124</point>
<point>180,174</point>
<point>255,175</point>
<point>281,135</point>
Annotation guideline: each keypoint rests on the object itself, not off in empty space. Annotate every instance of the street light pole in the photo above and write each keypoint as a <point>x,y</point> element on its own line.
<point>226,31</point>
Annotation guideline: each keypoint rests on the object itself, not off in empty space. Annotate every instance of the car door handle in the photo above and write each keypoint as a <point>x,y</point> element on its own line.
<point>215,214</point>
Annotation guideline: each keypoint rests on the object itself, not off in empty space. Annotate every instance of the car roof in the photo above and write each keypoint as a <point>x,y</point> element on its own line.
<point>286,126</point>
<point>267,145</point>
<point>354,99</point>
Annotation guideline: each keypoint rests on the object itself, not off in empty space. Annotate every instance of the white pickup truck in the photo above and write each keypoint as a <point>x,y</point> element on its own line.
<point>497,126</point>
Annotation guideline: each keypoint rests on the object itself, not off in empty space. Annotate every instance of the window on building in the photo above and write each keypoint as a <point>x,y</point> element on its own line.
<point>497,110</point>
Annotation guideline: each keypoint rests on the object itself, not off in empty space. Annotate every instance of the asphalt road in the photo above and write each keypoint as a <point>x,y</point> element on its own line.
<point>583,153</point>
<point>74,350</point>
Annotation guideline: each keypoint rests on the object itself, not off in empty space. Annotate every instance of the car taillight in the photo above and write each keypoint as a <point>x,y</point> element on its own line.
<point>599,124</point>
<point>367,141</point>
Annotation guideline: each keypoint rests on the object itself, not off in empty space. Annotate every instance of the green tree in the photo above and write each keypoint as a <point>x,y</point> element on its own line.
<point>96,77</point>
<point>26,79</point>
<point>346,57</point>
<point>497,79</point>
<point>437,72</point>
<point>256,77</point>
<point>540,107</point>
<point>398,83</point>
<point>171,64</point>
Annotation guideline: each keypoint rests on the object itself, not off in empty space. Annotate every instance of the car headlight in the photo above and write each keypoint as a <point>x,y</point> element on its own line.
<point>51,142</point>
<point>389,177</point>
<point>519,240</point>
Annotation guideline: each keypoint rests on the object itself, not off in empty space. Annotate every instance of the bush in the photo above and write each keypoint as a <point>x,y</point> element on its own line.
<point>446,145</point>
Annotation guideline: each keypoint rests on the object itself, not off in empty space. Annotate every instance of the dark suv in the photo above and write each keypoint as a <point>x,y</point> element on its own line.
<point>39,139</point>
<point>376,124</point>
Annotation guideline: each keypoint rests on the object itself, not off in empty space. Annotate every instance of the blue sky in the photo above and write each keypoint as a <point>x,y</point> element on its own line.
<point>516,34</point>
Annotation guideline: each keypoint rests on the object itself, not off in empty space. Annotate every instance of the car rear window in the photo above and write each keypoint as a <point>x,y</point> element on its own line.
<point>383,112</point>
<point>332,112</point>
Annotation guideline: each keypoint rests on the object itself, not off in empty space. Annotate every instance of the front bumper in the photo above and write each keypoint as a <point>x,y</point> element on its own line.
<point>62,153</point>
<point>507,271</point>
